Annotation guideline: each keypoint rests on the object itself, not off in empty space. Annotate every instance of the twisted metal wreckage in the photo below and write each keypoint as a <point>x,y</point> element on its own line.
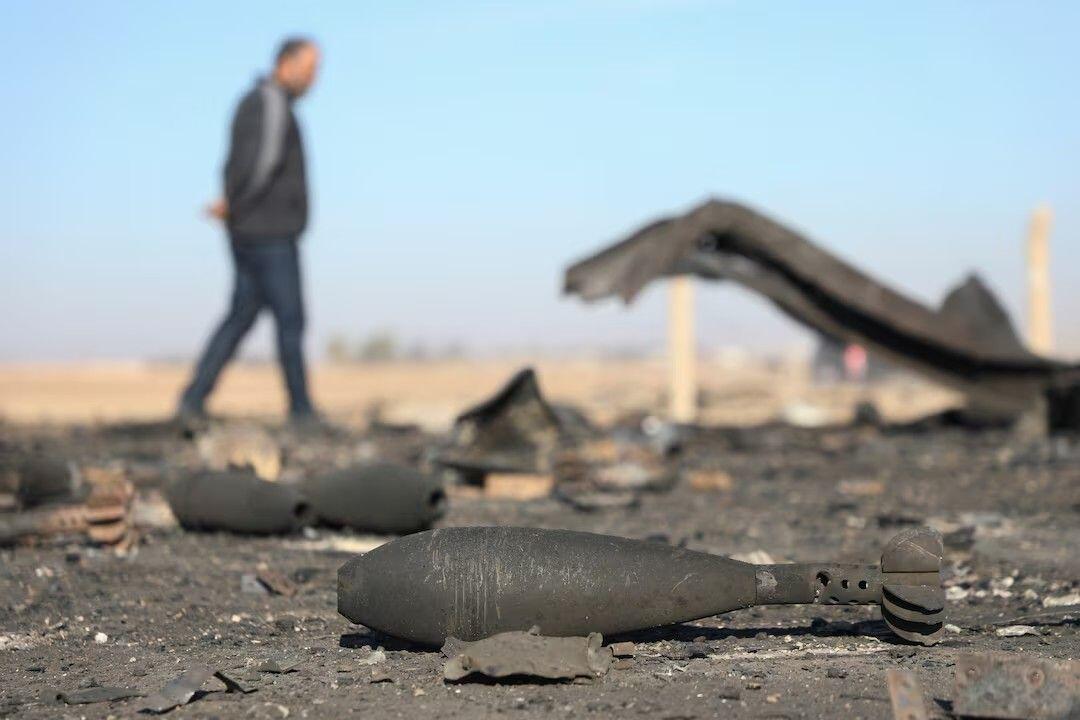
<point>968,343</point>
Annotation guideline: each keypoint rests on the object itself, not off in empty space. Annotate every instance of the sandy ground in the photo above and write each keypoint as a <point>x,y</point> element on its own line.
<point>72,616</point>
<point>432,394</point>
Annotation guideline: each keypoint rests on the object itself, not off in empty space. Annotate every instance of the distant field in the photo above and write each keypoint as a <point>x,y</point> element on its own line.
<point>431,394</point>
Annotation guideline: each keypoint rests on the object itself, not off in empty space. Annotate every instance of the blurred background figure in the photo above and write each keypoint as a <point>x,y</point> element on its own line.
<point>264,211</point>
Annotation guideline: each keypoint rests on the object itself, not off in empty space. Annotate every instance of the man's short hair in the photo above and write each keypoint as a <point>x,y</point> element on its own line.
<point>289,47</point>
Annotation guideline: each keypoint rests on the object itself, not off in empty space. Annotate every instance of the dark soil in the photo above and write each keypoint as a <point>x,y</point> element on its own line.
<point>1010,511</point>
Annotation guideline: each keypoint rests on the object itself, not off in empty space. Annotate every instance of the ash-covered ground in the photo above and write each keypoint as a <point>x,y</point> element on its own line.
<point>74,617</point>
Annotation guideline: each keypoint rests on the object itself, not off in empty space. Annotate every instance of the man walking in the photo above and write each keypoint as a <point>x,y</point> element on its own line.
<point>265,210</point>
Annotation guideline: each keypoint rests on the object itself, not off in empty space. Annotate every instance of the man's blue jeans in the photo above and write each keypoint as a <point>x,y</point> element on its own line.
<point>267,275</point>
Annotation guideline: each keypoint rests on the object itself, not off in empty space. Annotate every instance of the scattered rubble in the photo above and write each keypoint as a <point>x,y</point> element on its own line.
<point>99,511</point>
<point>516,430</point>
<point>241,447</point>
<point>520,487</point>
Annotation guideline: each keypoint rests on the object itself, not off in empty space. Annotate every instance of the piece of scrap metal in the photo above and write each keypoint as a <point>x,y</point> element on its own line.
<point>96,695</point>
<point>528,654</point>
<point>177,692</point>
<point>906,695</point>
<point>1016,686</point>
<point>182,690</point>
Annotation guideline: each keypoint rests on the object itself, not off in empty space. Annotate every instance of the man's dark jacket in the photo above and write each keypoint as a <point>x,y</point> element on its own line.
<point>265,183</point>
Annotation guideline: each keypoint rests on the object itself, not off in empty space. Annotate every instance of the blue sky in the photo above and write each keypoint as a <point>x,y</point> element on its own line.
<point>462,153</point>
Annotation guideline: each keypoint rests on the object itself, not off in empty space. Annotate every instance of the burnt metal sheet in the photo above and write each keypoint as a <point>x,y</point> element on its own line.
<point>516,430</point>
<point>516,654</point>
<point>967,343</point>
<point>1016,686</point>
<point>177,692</point>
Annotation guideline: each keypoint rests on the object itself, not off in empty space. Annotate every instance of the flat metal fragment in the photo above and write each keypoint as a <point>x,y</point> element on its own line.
<point>279,666</point>
<point>276,582</point>
<point>531,655</point>
<point>1016,686</point>
<point>178,692</point>
<point>906,695</point>
<point>232,684</point>
<point>96,695</point>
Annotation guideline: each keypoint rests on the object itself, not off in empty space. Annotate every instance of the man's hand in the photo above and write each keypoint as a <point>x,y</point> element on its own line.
<point>219,209</point>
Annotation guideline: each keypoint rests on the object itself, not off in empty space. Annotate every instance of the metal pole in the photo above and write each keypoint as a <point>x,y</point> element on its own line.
<point>682,351</point>
<point>1040,319</point>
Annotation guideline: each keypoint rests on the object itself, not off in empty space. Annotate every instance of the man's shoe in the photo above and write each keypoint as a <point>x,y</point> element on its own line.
<point>310,423</point>
<point>191,419</point>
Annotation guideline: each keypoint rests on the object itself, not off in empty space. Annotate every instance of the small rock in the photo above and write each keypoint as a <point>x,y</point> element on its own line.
<point>101,638</point>
<point>956,593</point>
<point>1061,600</point>
<point>623,649</point>
<point>250,584</point>
<point>837,673</point>
<point>376,656</point>
<point>1016,631</point>
<point>380,676</point>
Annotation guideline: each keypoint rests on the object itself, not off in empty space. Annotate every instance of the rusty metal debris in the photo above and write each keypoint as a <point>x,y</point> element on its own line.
<point>474,582</point>
<point>1016,686</point>
<point>378,497</point>
<point>527,654</point>
<point>99,511</point>
<point>35,479</point>
<point>906,695</point>
<point>968,343</point>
